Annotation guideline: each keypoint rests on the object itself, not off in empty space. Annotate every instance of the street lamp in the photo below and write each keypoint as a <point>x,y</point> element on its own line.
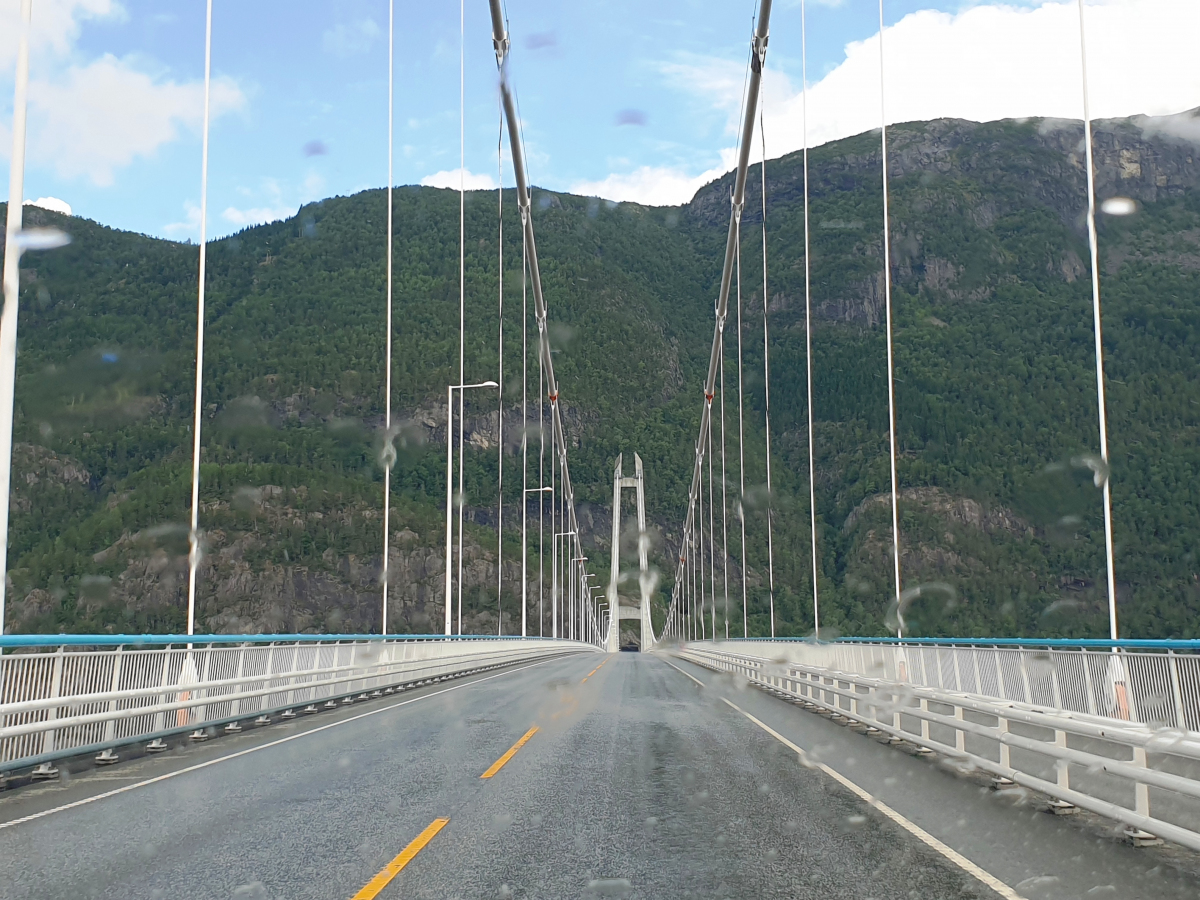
<point>450,389</point>
<point>576,606</point>
<point>554,583</point>
<point>525,556</point>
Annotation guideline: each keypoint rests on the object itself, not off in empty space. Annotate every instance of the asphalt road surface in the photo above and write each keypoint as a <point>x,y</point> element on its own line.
<point>648,778</point>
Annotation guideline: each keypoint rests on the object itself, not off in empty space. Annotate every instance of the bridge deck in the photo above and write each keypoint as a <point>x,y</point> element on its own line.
<point>636,773</point>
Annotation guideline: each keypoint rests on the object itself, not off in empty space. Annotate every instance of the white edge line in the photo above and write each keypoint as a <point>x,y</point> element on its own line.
<point>681,672</point>
<point>248,750</point>
<point>913,828</point>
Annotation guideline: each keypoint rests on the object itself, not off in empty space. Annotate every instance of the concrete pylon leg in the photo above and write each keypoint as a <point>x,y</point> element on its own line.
<point>645,587</point>
<point>614,604</point>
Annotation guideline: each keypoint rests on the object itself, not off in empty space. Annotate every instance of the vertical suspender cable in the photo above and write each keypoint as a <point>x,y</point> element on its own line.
<point>541,500</point>
<point>462,272</point>
<point>812,467</point>
<point>553,542</point>
<point>389,452</point>
<point>741,435</point>
<point>712,531</point>
<point>500,381</point>
<point>724,501</point>
<point>698,537</point>
<point>12,288</point>
<point>194,530</point>
<point>1100,400</point>
<point>887,297</point>
<point>767,377</point>
<point>525,439</point>
<point>1096,327</point>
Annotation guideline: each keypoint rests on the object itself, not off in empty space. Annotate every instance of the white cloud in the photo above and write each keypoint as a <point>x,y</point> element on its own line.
<point>54,28</point>
<point>189,227</point>
<point>1000,61</point>
<point>653,185</point>
<point>257,215</point>
<point>450,179</point>
<point>989,61</point>
<point>51,203</point>
<point>96,118</point>
<point>350,38</point>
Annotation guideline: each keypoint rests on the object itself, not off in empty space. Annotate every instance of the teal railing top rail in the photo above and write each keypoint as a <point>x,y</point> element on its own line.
<point>160,640</point>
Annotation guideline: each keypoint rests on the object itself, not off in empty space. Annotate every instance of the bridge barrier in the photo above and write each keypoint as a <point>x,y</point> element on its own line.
<point>1107,729</point>
<point>67,695</point>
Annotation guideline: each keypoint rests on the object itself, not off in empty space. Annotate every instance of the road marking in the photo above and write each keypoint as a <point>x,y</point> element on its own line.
<point>276,743</point>
<point>512,751</point>
<point>595,670</point>
<point>911,827</point>
<point>681,672</point>
<point>392,869</point>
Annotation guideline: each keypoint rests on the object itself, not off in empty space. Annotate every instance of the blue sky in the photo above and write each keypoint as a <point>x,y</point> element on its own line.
<point>627,99</point>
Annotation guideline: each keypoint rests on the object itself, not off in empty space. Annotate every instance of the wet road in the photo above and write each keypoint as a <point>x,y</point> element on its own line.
<point>641,780</point>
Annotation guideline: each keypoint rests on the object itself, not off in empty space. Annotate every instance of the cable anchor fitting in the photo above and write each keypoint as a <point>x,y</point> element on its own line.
<point>502,45</point>
<point>759,59</point>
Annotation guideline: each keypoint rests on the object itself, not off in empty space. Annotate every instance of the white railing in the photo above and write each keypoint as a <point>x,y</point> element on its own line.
<point>75,698</point>
<point>1112,732</point>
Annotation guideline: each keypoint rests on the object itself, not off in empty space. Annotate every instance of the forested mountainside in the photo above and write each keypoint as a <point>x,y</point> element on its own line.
<point>995,392</point>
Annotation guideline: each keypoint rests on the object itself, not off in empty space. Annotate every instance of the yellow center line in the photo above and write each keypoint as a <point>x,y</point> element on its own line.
<point>595,670</point>
<point>512,751</point>
<point>392,869</point>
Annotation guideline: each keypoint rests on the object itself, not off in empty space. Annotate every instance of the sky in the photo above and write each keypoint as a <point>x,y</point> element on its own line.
<point>623,99</point>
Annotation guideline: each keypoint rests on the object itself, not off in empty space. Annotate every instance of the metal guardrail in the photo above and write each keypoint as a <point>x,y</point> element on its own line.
<point>70,695</point>
<point>1111,732</point>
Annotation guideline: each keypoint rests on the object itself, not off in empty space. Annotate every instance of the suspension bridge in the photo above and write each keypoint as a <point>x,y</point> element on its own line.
<point>541,762</point>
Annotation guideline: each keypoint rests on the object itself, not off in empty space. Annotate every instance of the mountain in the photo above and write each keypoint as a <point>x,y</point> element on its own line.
<point>1001,523</point>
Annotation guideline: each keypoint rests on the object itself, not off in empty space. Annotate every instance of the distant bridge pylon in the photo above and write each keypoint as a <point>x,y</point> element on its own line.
<point>618,611</point>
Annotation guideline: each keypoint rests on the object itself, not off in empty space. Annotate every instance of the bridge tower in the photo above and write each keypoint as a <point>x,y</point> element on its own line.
<point>617,610</point>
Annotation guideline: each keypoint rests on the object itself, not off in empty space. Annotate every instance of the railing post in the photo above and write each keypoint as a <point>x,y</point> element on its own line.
<point>1060,765</point>
<point>960,736</point>
<point>1141,791</point>
<point>160,719</point>
<point>1002,728</point>
<point>236,707</point>
<point>1087,681</point>
<point>999,656</point>
<point>110,730</point>
<point>1028,696</point>
<point>202,711</point>
<point>55,687</point>
<point>1176,691</point>
<point>1055,690</point>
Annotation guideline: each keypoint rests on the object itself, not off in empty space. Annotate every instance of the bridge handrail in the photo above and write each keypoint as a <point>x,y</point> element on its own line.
<point>1181,644</point>
<point>1107,760</point>
<point>67,697</point>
